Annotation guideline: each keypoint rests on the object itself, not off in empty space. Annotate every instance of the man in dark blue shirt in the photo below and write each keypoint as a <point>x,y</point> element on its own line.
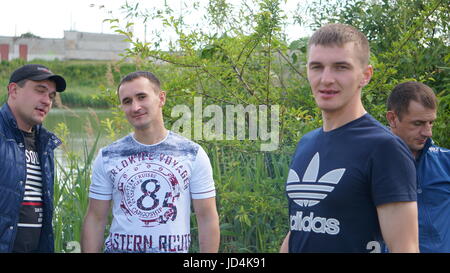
<point>352,183</point>
<point>27,161</point>
<point>412,108</point>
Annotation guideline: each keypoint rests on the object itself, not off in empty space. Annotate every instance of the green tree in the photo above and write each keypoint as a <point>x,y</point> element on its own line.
<point>409,40</point>
<point>240,55</point>
<point>241,58</point>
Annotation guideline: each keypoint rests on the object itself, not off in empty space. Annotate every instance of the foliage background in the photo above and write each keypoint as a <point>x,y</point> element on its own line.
<point>247,59</point>
<point>244,57</point>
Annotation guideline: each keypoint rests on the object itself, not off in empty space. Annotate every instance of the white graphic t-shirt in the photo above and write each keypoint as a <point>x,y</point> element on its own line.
<point>151,187</point>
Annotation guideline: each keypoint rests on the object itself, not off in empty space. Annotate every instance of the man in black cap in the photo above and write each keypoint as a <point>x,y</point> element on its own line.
<point>26,161</point>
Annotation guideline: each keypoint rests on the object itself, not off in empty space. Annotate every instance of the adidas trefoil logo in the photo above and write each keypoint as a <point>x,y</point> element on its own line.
<point>309,192</point>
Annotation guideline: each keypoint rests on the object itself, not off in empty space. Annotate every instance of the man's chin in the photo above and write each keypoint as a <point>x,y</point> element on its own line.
<point>38,121</point>
<point>420,145</point>
<point>140,126</point>
<point>417,148</point>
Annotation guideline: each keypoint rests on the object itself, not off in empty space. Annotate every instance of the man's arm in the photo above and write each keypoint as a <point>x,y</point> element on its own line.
<point>208,224</point>
<point>285,245</point>
<point>399,226</point>
<point>94,225</point>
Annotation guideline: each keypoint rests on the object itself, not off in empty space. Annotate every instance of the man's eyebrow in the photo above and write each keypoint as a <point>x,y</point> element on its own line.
<point>342,63</point>
<point>422,120</point>
<point>314,63</point>
<point>41,86</point>
<point>335,63</point>
<point>140,93</point>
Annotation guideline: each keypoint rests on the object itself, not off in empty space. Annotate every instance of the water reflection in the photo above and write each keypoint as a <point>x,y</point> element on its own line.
<point>84,124</point>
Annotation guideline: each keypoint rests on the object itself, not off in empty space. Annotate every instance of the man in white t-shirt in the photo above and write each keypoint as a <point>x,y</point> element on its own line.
<point>151,176</point>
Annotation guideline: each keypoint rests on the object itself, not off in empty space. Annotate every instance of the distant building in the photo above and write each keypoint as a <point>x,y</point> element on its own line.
<point>74,46</point>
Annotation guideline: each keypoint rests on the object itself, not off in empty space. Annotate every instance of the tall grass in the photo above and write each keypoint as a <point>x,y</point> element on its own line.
<point>250,199</point>
<point>71,197</point>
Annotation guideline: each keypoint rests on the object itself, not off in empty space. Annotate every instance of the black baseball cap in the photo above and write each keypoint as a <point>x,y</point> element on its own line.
<point>37,72</point>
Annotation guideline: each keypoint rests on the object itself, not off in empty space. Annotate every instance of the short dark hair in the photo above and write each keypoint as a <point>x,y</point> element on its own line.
<point>340,34</point>
<point>138,74</point>
<point>400,97</point>
<point>20,83</point>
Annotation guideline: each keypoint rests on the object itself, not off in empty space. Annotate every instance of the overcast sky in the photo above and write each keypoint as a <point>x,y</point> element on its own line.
<point>49,18</point>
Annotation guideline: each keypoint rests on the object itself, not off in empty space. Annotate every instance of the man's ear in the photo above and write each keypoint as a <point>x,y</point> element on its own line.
<point>12,89</point>
<point>391,118</point>
<point>162,98</point>
<point>367,75</point>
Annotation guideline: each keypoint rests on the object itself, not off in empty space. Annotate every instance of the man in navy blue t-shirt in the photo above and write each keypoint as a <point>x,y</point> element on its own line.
<point>352,183</point>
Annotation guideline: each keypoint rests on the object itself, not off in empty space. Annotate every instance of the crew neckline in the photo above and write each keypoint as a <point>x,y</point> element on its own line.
<point>350,123</point>
<point>149,145</point>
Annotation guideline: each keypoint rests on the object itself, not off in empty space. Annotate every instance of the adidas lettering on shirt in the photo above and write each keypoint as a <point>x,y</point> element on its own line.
<point>337,179</point>
<point>151,187</point>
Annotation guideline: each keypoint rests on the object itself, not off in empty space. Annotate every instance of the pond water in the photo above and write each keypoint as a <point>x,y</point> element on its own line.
<point>83,124</point>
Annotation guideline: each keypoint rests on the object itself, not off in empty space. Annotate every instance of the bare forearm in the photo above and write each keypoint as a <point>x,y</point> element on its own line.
<point>209,235</point>
<point>398,222</point>
<point>208,224</point>
<point>92,235</point>
<point>285,245</point>
<point>404,248</point>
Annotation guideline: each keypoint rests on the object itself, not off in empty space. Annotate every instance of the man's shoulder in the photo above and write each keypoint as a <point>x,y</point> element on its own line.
<point>178,142</point>
<point>312,134</point>
<point>5,117</point>
<point>435,149</point>
<point>371,135</point>
<point>378,134</point>
<point>381,142</point>
<point>440,153</point>
<point>375,127</point>
<point>180,139</point>
<point>366,128</point>
<point>123,143</point>
<point>434,164</point>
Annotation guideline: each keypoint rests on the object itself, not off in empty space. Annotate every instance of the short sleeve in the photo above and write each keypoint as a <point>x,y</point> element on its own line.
<point>101,187</point>
<point>393,173</point>
<point>202,182</point>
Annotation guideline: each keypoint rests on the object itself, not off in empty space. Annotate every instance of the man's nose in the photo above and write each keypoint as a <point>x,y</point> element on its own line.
<point>135,106</point>
<point>47,99</point>
<point>327,76</point>
<point>427,130</point>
